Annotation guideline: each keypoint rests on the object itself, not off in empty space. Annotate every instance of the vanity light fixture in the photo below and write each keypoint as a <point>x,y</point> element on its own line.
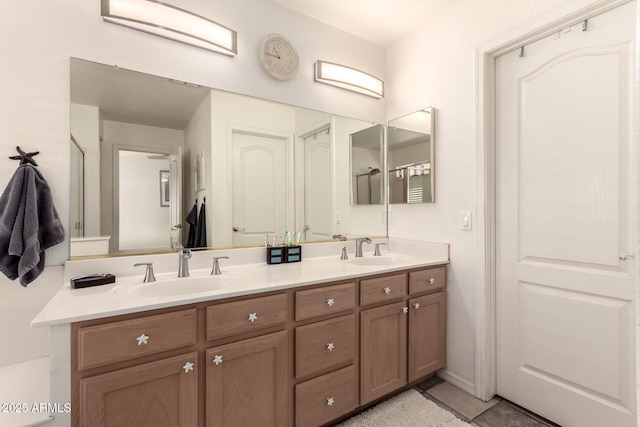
<point>164,20</point>
<point>348,78</point>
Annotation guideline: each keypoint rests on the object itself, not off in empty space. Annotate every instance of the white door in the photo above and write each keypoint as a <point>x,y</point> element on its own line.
<point>260,186</point>
<point>565,301</point>
<point>317,188</point>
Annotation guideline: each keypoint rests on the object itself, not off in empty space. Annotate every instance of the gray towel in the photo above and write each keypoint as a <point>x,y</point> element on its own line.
<point>29,224</point>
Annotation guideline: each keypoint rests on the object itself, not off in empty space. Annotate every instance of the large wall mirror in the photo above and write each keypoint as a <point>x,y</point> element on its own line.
<point>411,160</point>
<point>163,159</point>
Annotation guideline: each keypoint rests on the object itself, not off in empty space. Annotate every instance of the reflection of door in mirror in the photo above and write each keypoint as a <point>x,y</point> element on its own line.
<point>260,182</point>
<point>144,197</point>
<point>317,184</point>
<point>77,189</point>
<point>367,159</point>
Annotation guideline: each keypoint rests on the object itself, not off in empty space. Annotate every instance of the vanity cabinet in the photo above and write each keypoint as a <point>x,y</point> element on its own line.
<point>161,393</point>
<point>247,382</point>
<point>305,356</point>
<point>401,341</point>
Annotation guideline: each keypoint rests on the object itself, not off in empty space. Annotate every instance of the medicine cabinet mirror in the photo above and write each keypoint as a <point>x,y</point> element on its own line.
<point>260,167</point>
<point>411,160</point>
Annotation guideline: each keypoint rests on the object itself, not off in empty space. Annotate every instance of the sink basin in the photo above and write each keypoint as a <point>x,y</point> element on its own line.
<point>380,260</point>
<point>181,286</point>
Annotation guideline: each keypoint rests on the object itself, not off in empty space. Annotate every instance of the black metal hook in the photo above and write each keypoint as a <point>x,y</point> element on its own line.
<point>25,157</point>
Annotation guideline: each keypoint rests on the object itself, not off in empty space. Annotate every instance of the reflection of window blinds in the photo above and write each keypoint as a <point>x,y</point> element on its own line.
<point>415,190</point>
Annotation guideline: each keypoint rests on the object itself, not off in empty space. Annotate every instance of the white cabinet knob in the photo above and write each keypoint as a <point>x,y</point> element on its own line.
<point>330,346</point>
<point>330,302</point>
<point>217,359</point>
<point>253,317</point>
<point>188,367</point>
<point>330,401</point>
<point>387,290</point>
<point>432,281</point>
<point>405,310</point>
<point>416,306</point>
<point>143,339</point>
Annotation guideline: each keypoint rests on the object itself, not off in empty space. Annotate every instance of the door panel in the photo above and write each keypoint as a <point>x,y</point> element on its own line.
<point>260,185</point>
<point>565,301</point>
<point>317,178</point>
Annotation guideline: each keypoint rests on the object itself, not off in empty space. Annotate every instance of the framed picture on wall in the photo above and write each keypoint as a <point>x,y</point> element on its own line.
<point>165,193</point>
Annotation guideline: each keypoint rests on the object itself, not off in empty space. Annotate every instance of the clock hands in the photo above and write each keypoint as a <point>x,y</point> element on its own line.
<point>272,54</point>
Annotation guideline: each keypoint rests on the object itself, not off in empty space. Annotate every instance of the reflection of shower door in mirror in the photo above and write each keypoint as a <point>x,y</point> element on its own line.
<point>141,200</point>
<point>77,189</point>
<point>175,202</point>
<point>260,183</point>
<point>317,182</point>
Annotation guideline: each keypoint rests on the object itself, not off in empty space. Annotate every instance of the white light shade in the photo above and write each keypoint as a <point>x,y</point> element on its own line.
<point>171,22</point>
<point>349,78</point>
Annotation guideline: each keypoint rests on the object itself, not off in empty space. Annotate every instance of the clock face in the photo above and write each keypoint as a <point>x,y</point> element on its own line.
<point>278,56</point>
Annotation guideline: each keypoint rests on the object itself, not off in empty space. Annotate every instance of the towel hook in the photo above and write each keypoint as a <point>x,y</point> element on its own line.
<point>25,157</point>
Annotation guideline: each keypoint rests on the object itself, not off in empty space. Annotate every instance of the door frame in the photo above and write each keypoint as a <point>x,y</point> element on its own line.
<point>486,55</point>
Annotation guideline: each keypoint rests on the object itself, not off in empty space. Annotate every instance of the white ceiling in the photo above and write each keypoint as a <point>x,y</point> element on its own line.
<point>380,21</point>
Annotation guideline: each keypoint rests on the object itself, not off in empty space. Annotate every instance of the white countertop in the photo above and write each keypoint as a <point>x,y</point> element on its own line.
<point>242,274</point>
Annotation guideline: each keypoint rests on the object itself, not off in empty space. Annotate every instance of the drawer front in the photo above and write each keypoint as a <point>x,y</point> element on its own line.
<point>428,280</point>
<point>326,398</point>
<point>112,342</point>
<point>327,300</point>
<point>325,345</point>
<point>238,317</point>
<point>381,289</point>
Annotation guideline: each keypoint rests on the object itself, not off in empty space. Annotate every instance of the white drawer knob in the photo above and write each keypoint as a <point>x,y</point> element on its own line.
<point>217,359</point>
<point>188,367</point>
<point>405,310</point>
<point>387,290</point>
<point>416,306</point>
<point>253,317</point>
<point>330,302</point>
<point>143,339</point>
<point>432,281</point>
<point>330,401</point>
<point>330,346</point>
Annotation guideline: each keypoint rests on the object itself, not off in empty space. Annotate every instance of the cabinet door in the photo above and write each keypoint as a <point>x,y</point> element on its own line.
<point>156,394</point>
<point>383,350</point>
<point>247,383</point>
<point>427,341</point>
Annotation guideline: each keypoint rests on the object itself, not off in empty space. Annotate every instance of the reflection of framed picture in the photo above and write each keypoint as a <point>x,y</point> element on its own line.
<point>165,193</point>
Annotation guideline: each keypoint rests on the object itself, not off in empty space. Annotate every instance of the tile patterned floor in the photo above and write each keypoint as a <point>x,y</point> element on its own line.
<point>497,412</point>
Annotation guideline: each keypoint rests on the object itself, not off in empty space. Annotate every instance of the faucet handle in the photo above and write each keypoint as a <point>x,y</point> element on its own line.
<point>215,271</point>
<point>376,251</point>
<point>148,275</point>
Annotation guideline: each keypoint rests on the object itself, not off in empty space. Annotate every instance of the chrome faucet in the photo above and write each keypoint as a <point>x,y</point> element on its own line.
<point>183,262</point>
<point>215,271</point>
<point>359,242</point>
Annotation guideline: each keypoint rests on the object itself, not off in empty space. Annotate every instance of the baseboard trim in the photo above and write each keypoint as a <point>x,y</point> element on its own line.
<point>457,381</point>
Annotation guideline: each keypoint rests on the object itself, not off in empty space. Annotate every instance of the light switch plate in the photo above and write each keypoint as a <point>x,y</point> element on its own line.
<point>465,220</point>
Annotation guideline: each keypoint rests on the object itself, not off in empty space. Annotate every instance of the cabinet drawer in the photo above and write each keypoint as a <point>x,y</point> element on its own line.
<point>238,317</point>
<point>112,342</point>
<point>326,398</point>
<point>326,300</point>
<point>381,289</point>
<point>426,280</point>
<point>324,345</point>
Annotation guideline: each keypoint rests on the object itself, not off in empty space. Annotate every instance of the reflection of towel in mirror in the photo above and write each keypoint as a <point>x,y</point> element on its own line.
<point>201,228</point>
<point>192,220</point>
<point>29,224</point>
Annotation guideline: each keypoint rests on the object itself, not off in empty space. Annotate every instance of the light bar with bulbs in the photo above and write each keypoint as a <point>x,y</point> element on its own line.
<point>348,78</point>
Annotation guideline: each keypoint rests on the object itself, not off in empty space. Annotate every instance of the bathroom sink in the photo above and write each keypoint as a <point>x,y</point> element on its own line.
<point>380,260</point>
<point>181,286</point>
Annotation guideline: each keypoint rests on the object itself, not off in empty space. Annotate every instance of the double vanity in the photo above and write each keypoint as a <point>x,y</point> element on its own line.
<point>303,344</point>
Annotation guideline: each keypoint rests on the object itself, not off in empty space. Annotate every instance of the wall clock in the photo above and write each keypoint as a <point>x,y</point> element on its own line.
<point>279,57</point>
